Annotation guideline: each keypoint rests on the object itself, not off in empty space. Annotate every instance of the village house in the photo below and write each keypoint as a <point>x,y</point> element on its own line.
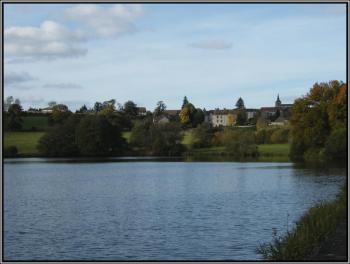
<point>283,109</point>
<point>141,111</point>
<point>226,117</point>
<point>219,117</point>
<point>166,116</point>
<point>280,121</point>
<point>48,110</point>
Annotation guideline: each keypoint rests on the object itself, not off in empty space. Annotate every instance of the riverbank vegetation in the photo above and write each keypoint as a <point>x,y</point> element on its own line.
<point>310,232</point>
<point>319,123</point>
<point>317,130</point>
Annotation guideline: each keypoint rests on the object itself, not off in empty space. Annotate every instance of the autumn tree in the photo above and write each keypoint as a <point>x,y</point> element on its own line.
<point>317,118</point>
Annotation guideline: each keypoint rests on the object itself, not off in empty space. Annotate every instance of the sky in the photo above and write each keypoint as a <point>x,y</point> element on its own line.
<point>212,53</point>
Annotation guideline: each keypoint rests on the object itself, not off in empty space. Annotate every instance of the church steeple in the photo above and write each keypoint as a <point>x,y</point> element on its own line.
<point>278,101</point>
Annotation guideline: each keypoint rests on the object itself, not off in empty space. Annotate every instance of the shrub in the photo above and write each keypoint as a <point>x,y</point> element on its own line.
<point>10,151</point>
<point>240,143</point>
<point>311,230</point>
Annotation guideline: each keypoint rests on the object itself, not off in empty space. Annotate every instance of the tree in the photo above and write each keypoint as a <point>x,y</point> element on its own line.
<point>240,143</point>
<point>202,136</point>
<point>166,139</point>
<point>336,145</point>
<point>241,117</point>
<point>97,107</point>
<point>60,113</point>
<point>52,103</point>
<point>130,108</point>
<point>240,103</point>
<point>185,116</point>
<point>95,136</point>
<point>188,116</point>
<point>59,141</point>
<point>198,117</point>
<point>231,119</point>
<point>157,139</point>
<point>82,109</point>
<point>185,102</point>
<point>13,120</point>
<point>317,116</point>
<point>140,136</point>
<point>159,110</point>
<point>8,101</point>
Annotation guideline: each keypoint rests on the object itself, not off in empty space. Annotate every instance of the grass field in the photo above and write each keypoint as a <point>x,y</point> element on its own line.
<point>279,150</point>
<point>39,122</point>
<point>24,141</point>
<point>187,139</point>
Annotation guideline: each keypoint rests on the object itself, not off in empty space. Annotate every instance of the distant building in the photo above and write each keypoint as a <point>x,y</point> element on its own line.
<point>60,107</point>
<point>283,109</point>
<point>46,110</point>
<point>219,117</point>
<point>251,113</point>
<point>141,111</point>
<point>172,113</point>
<point>163,119</point>
<point>280,121</point>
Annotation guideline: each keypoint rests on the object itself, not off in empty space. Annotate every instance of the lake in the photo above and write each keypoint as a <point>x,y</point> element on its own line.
<point>61,209</point>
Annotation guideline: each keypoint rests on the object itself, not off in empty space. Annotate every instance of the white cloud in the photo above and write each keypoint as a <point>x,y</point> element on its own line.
<point>62,86</point>
<point>14,78</point>
<point>112,22</point>
<point>48,41</point>
<point>212,44</point>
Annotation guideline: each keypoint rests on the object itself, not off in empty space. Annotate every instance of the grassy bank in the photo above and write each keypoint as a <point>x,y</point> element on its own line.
<point>25,142</point>
<point>310,232</point>
<point>274,150</point>
<point>267,152</point>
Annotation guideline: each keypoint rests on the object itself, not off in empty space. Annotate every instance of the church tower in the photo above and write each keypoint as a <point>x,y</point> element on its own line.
<point>278,101</point>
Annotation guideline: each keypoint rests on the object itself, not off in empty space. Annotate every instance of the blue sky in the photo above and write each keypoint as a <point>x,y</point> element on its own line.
<point>212,53</point>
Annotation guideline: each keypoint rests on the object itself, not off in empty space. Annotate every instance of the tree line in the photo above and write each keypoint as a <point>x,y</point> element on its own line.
<point>317,130</point>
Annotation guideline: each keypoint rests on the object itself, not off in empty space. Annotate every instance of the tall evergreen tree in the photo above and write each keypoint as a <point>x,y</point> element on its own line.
<point>240,103</point>
<point>185,102</point>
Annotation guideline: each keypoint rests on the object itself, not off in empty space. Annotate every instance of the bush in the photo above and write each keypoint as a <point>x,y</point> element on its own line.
<point>10,151</point>
<point>240,143</point>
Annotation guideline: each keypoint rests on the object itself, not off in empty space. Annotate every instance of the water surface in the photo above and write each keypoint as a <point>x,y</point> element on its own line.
<point>60,210</point>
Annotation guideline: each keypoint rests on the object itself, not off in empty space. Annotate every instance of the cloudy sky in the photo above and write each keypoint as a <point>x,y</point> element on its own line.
<point>212,53</point>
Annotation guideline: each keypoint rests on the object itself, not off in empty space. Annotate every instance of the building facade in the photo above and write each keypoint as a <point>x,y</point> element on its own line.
<point>283,109</point>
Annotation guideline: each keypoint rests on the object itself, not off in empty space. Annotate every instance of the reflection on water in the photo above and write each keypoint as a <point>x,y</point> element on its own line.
<point>59,209</point>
